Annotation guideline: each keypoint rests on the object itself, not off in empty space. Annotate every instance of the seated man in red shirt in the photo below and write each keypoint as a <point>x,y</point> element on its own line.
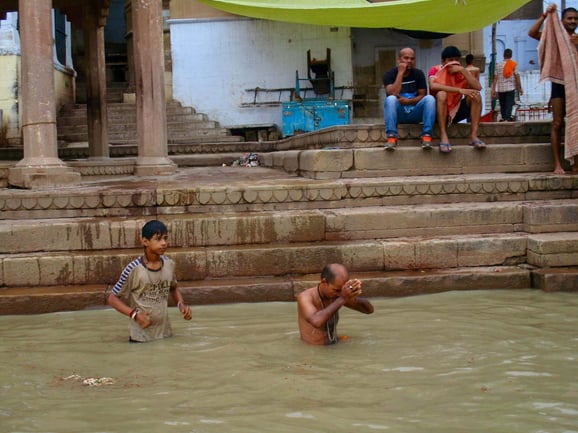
<point>458,97</point>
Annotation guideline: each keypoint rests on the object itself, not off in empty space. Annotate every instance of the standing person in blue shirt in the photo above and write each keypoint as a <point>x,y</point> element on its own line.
<point>407,100</point>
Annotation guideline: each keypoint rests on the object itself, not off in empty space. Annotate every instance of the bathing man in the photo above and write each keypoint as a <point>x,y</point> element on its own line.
<point>407,100</point>
<point>318,307</point>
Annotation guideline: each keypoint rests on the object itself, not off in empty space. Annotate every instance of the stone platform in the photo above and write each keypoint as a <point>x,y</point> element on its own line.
<point>264,233</point>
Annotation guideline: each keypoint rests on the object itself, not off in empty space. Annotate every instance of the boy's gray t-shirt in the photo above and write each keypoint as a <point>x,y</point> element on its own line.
<point>148,291</point>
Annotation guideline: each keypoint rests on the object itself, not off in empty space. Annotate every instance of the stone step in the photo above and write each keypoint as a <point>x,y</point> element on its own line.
<point>93,265</point>
<point>130,128</point>
<point>36,300</point>
<point>123,111</point>
<point>126,107</point>
<point>72,123</point>
<point>554,249</point>
<point>204,146</point>
<point>206,160</point>
<point>556,279</point>
<point>122,137</point>
<point>451,219</point>
<point>296,226</point>
<point>187,230</point>
<point>241,189</point>
<point>368,135</point>
<point>411,161</point>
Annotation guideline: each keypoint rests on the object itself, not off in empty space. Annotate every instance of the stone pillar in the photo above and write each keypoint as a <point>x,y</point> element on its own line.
<point>40,165</point>
<point>149,71</point>
<point>96,108</point>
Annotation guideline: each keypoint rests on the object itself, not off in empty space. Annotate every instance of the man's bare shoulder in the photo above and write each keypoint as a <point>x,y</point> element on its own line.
<point>306,295</point>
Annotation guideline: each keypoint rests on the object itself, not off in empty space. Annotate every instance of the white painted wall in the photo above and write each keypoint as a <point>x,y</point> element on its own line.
<point>216,61</point>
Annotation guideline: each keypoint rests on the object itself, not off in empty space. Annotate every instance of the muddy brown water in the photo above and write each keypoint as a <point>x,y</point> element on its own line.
<point>486,361</point>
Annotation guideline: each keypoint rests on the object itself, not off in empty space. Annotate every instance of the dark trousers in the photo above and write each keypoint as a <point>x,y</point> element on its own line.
<point>507,100</point>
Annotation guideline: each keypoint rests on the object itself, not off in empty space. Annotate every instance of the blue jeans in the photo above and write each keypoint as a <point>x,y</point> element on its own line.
<point>394,113</point>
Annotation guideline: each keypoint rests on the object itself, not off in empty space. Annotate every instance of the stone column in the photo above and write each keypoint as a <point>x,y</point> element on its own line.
<point>96,107</point>
<point>40,165</point>
<point>150,89</point>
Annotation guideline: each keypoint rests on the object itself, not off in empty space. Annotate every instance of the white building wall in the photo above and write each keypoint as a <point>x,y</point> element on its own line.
<point>216,62</point>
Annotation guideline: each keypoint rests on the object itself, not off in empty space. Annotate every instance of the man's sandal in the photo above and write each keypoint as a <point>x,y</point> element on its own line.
<point>391,143</point>
<point>478,144</point>
<point>426,142</point>
<point>445,147</point>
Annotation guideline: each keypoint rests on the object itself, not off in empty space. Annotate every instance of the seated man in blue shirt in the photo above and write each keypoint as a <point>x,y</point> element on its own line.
<point>407,100</point>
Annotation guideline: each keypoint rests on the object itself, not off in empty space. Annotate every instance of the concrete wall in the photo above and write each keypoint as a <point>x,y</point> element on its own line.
<point>216,61</point>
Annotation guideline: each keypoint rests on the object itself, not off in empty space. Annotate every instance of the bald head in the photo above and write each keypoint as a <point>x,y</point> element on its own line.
<point>407,58</point>
<point>334,271</point>
<point>406,52</point>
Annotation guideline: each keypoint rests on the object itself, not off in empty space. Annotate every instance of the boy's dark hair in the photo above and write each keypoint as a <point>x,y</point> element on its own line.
<point>152,228</point>
<point>568,10</point>
<point>507,53</point>
<point>450,52</point>
<point>469,59</point>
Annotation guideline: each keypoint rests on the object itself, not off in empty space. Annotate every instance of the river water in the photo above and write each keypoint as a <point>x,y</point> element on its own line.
<point>486,361</point>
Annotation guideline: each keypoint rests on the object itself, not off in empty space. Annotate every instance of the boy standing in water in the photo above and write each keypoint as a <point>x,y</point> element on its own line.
<point>146,282</point>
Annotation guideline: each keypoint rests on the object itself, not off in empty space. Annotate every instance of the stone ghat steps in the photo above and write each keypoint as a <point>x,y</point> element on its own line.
<point>89,267</point>
<point>412,161</point>
<point>240,189</point>
<point>326,164</point>
<point>204,149</point>
<point>373,162</point>
<point>79,110</point>
<point>189,132</point>
<point>284,228</point>
<point>75,115</point>
<point>124,127</point>
<point>373,135</point>
<point>77,121</point>
<point>36,300</point>
<point>183,123</point>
